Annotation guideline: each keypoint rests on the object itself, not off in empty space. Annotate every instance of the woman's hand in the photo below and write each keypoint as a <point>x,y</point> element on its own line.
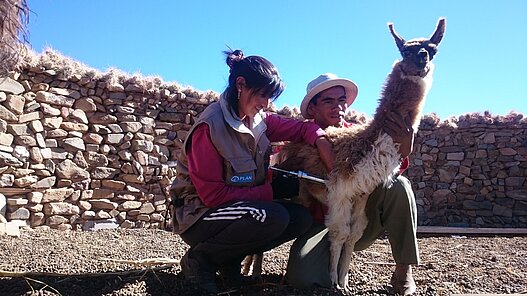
<point>325,149</point>
<point>401,131</point>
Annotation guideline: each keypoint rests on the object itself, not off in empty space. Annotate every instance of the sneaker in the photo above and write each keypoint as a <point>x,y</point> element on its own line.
<point>194,273</point>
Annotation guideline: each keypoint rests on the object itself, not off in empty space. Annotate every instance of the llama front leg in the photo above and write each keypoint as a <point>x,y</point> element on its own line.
<point>358,224</point>
<point>344,263</point>
<point>337,222</point>
<point>345,260</point>
<point>335,248</point>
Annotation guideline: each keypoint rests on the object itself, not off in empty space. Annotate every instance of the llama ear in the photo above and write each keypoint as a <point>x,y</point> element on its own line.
<point>398,39</point>
<point>439,32</point>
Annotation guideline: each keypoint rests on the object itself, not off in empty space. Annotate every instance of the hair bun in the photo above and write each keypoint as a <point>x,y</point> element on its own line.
<point>234,57</point>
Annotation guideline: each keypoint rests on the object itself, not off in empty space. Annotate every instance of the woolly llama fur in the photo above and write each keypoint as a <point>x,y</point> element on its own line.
<point>365,156</point>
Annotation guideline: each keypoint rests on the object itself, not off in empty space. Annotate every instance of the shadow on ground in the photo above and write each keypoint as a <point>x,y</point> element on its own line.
<point>163,282</point>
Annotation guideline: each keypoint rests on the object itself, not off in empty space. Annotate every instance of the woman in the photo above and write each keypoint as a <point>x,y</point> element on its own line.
<point>223,194</point>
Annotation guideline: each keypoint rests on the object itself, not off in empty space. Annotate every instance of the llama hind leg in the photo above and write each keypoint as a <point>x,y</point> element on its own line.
<point>252,264</point>
<point>247,264</point>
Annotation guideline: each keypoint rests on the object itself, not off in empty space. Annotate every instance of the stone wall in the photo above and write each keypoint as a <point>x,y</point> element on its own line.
<point>471,171</point>
<point>80,148</point>
<point>83,149</point>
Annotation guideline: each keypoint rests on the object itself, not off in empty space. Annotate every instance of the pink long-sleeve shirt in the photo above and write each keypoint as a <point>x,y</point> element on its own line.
<point>205,164</point>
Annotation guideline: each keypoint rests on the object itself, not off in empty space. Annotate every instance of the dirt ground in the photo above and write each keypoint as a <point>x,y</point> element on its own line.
<point>450,265</point>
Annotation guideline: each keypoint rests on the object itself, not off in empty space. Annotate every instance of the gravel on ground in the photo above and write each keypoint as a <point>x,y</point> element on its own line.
<point>52,262</point>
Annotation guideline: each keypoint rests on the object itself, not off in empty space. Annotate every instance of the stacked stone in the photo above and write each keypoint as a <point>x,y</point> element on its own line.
<point>471,172</point>
<point>75,151</point>
<point>78,151</point>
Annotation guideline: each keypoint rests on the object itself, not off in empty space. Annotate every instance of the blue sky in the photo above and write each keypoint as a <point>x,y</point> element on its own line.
<point>481,64</point>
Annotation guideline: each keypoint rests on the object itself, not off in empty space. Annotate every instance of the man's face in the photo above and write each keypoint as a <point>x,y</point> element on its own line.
<point>329,107</point>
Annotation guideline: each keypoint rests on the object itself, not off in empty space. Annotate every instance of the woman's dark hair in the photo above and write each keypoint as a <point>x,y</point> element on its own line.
<point>260,76</point>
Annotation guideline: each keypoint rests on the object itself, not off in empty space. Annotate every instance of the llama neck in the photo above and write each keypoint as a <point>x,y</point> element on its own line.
<point>404,94</point>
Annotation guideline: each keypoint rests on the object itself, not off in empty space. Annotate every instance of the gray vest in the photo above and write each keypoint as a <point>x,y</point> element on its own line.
<point>245,155</point>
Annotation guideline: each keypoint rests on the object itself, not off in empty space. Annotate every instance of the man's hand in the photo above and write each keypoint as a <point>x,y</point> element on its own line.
<point>401,131</point>
<point>325,149</point>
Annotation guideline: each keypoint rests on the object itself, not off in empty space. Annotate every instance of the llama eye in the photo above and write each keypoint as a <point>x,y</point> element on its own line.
<point>432,50</point>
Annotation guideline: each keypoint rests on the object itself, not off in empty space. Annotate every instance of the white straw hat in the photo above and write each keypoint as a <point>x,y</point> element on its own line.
<point>324,82</point>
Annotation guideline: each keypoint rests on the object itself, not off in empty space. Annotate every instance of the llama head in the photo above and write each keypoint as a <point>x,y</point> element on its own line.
<point>418,53</point>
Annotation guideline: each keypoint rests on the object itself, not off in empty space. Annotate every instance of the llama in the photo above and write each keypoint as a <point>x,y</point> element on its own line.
<point>365,156</point>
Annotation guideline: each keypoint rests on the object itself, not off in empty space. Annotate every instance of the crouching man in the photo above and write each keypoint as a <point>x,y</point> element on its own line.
<point>390,210</point>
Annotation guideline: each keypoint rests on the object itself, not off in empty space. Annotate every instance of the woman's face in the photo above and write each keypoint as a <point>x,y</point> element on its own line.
<point>250,101</point>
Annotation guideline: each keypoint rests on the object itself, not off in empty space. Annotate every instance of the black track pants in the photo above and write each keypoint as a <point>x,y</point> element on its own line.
<point>228,233</point>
